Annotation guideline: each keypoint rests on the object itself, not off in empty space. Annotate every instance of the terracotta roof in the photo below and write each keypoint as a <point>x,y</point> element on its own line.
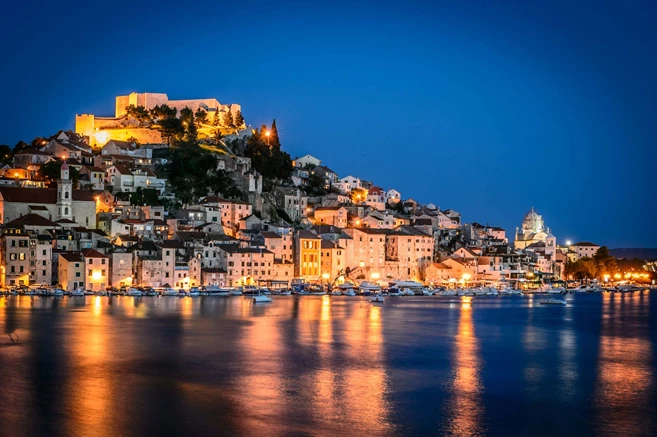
<point>72,256</point>
<point>269,234</point>
<point>93,253</point>
<point>30,220</point>
<point>65,221</point>
<point>170,244</point>
<point>40,195</point>
<point>442,266</point>
<point>586,244</point>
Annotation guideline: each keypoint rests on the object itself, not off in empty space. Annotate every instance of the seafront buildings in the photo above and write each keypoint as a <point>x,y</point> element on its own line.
<point>88,234</point>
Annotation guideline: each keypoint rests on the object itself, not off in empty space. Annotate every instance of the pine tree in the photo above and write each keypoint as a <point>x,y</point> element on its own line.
<point>215,119</point>
<point>239,119</point>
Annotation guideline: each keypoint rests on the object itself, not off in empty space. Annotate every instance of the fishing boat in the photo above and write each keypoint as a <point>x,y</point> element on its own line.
<point>408,292</point>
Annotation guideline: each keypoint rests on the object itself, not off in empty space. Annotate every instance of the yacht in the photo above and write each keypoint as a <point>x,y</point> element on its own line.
<point>57,292</point>
<point>426,292</point>
<point>236,292</point>
<point>336,293</point>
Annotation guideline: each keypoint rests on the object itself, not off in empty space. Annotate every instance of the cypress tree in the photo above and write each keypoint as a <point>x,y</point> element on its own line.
<point>228,120</point>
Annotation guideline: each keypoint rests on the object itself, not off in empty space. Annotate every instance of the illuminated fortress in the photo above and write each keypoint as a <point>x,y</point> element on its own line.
<point>99,130</point>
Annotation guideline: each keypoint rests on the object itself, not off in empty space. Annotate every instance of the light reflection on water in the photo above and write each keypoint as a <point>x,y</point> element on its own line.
<point>324,365</point>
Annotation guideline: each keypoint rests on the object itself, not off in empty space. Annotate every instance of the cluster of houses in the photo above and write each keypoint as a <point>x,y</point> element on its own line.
<point>91,237</point>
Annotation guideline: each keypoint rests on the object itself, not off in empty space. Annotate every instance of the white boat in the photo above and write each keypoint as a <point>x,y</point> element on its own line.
<point>555,290</point>
<point>77,292</point>
<point>169,292</point>
<point>133,292</point>
<point>194,292</point>
<point>447,293</point>
<point>408,292</point>
<point>377,299</point>
<point>236,292</point>
<point>394,292</point>
<point>490,291</point>
<point>260,298</point>
<point>284,292</point>
<point>336,293</point>
<point>426,292</point>
<point>368,286</point>
<point>57,292</point>
<point>552,301</point>
<point>478,291</point>
<point>350,292</point>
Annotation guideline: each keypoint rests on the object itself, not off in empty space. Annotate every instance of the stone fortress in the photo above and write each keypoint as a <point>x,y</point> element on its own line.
<point>99,130</point>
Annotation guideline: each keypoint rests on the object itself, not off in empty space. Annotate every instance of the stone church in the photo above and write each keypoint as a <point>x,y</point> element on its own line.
<point>63,204</point>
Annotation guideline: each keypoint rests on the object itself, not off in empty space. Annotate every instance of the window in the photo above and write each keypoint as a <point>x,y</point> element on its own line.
<point>66,210</point>
<point>77,274</point>
<point>102,261</point>
<point>91,260</point>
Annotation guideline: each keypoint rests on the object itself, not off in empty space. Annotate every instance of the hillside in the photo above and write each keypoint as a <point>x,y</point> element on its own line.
<point>628,253</point>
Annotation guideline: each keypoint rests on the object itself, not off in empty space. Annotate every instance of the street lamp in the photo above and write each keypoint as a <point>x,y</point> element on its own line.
<point>267,134</point>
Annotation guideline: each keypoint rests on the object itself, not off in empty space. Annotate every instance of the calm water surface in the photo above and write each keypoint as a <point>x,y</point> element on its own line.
<point>312,365</point>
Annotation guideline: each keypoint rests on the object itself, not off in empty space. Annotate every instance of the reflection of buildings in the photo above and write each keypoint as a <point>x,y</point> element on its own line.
<point>465,410</point>
<point>625,369</point>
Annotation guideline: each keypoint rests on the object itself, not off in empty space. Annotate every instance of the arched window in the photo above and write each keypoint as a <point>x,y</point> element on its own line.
<point>66,210</point>
<point>65,194</point>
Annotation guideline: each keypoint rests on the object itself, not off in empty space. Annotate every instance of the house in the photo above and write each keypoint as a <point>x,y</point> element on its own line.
<point>70,270</point>
<point>331,215</point>
<point>584,249</point>
<point>123,179</point>
<point>93,177</point>
<point>333,260</point>
<point>451,271</point>
<point>307,255</point>
<point>120,268</point>
<point>393,196</point>
<point>307,160</point>
<point>14,253</point>
<point>246,265</point>
<point>213,276</point>
<point>96,266</point>
<point>291,200</point>
<point>350,183</point>
<point>329,176</point>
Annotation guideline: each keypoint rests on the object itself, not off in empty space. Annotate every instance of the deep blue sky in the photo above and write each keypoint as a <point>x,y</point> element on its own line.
<point>485,109</point>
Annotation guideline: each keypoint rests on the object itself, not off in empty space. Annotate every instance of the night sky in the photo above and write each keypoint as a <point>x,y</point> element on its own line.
<point>485,109</point>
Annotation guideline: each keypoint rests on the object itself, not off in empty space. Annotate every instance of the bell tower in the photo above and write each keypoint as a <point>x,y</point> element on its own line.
<point>65,193</point>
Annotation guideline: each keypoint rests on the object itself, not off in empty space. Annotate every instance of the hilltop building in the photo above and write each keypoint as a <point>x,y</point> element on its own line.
<point>99,129</point>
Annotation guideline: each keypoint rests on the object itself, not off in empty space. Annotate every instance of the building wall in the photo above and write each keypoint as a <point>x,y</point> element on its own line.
<point>15,259</point>
<point>96,273</point>
<point>41,256</point>
<point>70,274</point>
<point>120,269</point>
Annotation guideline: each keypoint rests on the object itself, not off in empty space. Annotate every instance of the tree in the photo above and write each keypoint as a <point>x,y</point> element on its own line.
<point>239,119</point>
<point>145,196</point>
<point>163,112</point>
<point>189,125</point>
<point>21,145</point>
<point>228,122</point>
<point>315,185</point>
<point>51,172</point>
<point>270,162</point>
<point>5,154</point>
<point>201,117</point>
<point>274,141</point>
<point>140,114</point>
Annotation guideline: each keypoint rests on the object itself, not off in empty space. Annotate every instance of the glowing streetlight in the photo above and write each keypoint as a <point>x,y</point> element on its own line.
<point>466,276</point>
<point>267,134</point>
<point>325,276</point>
